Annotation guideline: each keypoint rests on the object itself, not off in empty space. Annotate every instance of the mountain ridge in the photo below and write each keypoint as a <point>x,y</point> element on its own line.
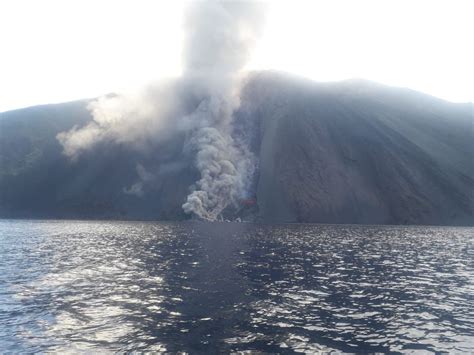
<point>347,152</point>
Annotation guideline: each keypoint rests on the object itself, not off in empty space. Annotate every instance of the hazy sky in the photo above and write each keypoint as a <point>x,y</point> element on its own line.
<point>58,50</point>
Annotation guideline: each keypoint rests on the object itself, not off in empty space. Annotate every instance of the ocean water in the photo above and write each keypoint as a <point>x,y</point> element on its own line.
<point>224,287</point>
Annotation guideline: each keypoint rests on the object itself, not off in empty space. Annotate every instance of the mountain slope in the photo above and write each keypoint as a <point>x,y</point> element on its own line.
<point>358,152</point>
<point>348,152</point>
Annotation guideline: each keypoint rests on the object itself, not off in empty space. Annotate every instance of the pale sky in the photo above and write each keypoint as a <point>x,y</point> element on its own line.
<point>59,50</point>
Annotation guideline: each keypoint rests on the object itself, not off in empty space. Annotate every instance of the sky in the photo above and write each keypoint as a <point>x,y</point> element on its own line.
<point>61,50</point>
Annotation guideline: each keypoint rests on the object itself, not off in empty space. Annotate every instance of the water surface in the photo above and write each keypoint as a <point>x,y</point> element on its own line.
<point>120,286</point>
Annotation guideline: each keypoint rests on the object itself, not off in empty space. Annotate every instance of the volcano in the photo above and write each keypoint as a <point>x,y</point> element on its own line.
<point>341,152</point>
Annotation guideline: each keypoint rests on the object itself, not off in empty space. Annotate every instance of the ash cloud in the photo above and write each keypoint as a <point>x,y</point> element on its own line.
<point>144,177</point>
<point>133,118</point>
<point>219,37</point>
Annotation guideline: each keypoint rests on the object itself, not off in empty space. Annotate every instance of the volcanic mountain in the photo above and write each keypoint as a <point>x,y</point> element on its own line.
<point>341,152</point>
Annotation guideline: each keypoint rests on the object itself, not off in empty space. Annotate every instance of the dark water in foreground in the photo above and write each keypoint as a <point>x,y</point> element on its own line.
<point>206,288</point>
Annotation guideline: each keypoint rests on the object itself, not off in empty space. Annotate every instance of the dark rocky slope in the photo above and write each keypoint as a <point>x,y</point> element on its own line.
<point>358,152</point>
<point>348,152</point>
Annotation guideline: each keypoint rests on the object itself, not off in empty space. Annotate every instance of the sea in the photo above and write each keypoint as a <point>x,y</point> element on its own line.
<point>191,287</point>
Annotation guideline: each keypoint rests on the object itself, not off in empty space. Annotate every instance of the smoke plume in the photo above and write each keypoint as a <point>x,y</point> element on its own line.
<point>219,37</point>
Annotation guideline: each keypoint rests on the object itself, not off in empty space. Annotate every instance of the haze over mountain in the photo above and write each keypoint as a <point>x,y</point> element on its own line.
<point>346,152</point>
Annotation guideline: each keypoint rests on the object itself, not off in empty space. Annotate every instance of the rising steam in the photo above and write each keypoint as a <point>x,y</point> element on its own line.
<point>219,37</point>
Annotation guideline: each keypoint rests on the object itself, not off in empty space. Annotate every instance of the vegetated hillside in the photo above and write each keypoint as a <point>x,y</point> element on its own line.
<point>346,152</point>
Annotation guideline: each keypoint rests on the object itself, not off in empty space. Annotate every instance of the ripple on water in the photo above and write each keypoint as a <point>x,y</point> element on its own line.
<point>116,286</point>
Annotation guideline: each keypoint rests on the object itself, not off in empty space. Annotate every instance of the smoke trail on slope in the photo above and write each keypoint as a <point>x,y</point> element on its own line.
<point>131,118</point>
<point>219,36</point>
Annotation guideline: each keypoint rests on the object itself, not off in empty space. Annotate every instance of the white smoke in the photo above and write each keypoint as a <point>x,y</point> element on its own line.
<point>144,177</point>
<point>131,118</point>
<point>219,37</point>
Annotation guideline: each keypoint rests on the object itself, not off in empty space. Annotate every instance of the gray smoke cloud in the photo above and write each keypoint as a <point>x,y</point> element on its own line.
<point>144,177</point>
<point>219,37</point>
<point>133,118</point>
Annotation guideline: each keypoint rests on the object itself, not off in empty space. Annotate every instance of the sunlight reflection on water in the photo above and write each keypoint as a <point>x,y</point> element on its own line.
<point>119,286</point>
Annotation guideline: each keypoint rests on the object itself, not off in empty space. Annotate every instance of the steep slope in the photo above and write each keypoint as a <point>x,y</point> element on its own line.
<point>38,181</point>
<point>348,152</point>
<point>359,152</point>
